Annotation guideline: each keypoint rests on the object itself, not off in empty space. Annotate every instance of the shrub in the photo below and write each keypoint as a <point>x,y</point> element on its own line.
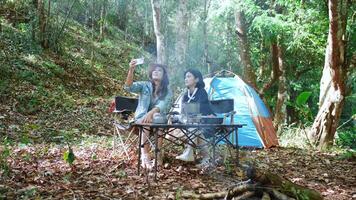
<point>347,138</point>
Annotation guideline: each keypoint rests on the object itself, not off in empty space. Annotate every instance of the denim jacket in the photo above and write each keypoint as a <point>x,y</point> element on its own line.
<point>145,89</point>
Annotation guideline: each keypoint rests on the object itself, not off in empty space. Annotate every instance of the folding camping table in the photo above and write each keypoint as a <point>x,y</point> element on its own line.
<point>221,132</point>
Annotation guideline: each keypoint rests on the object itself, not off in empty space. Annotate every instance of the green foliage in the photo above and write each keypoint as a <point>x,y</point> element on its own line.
<point>228,166</point>
<point>347,138</point>
<point>121,174</point>
<point>5,152</point>
<point>54,69</point>
<point>270,27</point>
<point>29,76</point>
<point>302,98</point>
<point>348,155</point>
<point>294,136</point>
<point>28,103</point>
<point>301,107</point>
<point>4,87</point>
<point>179,192</point>
<point>69,156</point>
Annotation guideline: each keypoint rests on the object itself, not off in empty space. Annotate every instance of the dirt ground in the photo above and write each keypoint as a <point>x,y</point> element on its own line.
<point>39,172</point>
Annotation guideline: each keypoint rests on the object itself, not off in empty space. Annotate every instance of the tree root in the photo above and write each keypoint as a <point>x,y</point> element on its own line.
<point>267,185</point>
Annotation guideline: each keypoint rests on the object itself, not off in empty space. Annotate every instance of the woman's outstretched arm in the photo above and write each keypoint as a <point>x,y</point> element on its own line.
<point>130,73</point>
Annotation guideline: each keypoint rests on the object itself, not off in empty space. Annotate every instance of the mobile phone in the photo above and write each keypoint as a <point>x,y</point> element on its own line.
<point>139,61</point>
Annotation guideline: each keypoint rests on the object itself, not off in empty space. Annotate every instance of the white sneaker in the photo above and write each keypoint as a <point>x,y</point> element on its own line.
<point>146,163</point>
<point>187,155</point>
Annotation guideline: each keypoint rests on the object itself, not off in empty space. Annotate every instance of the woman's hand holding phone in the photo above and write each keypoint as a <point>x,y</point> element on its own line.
<point>133,64</point>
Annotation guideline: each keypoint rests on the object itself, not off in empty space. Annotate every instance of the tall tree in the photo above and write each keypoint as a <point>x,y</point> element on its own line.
<point>122,17</point>
<point>241,31</point>
<point>182,30</point>
<point>332,84</point>
<point>102,23</point>
<point>205,34</point>
<point>42,22</point>
<point>160,47</point>
<point>275,73</point>
<point>280,110</point>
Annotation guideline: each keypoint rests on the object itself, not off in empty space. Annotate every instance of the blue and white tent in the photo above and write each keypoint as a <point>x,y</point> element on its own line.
<point>250,110</point>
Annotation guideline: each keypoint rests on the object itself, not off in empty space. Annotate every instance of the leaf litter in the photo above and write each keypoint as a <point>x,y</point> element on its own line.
<point>109,176</point>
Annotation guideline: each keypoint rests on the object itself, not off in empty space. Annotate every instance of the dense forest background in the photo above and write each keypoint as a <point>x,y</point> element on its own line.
<point>62,62</point>
<point>57,56</point>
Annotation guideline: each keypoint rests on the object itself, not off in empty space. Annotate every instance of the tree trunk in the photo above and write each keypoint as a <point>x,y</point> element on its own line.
<point>241,30</point>
<point>182,37</point>
<point>205,34</point>
<point>59,34</point>
<point>41,21</point>
<point>101,24</point>
<point>275,73</point>
<point>92,34</point>
<point>102,19</point>
<point>160,48</point>
<point>46,33</point>
<point>280,110</point>
<point>262,62</point>
<point>122,14</point>
<point>332,84</point>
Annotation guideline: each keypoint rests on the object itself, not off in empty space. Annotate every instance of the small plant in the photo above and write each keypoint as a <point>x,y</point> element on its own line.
<point>347,138</point>
<point>348,155</point>
<point>302,107</point>
<point>121,174</point>
<point>28,104</point>
<point>69,156</point>
<point>304,112</point>
<point>4,154</point>
<point>228,166</point>
<point>179,193</point>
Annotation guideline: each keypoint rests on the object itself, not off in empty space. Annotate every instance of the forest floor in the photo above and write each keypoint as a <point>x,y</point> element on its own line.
<point>39,171</point>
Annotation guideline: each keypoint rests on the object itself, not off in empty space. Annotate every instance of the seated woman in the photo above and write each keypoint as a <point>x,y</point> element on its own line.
<point>196,94</point>
<point>154,98</point>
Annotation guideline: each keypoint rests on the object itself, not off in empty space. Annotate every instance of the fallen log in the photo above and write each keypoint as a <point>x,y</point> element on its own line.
<point>279,195</point>
<point>245,195</point>
<point>233,192</point>
<point>266,185</point>
<point>191,195</point>
<point>265,196</point>
<point>237,190</point>
<point>283,185</point>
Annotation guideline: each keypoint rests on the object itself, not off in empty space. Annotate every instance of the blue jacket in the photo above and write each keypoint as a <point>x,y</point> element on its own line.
<point>144,89</point>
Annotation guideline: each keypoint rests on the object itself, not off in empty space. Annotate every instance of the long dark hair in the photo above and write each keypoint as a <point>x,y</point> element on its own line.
<point>197,74</point>
<point>163,90</point>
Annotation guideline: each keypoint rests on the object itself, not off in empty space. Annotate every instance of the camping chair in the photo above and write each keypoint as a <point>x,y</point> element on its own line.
<point>224,107</point>
<point>124,107</point>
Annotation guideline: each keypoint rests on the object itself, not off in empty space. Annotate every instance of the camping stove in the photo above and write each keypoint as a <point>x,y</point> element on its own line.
<point>193,119</point>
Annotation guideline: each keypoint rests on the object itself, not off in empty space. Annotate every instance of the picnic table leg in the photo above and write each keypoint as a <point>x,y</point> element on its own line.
<point>237,145</point>
<point>214,145</point>
<point>156,151</point>
<point>139,150</point>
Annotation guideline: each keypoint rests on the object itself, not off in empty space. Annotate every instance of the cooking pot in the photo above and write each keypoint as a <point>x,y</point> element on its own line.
<point>159,119</point>
<point>190,108</point>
